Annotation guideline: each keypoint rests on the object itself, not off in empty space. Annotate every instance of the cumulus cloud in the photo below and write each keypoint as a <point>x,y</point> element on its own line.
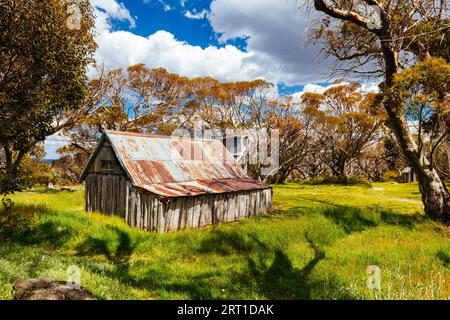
<point>196,15</point>
<point>310,88</point>
<point>161,49</point>
<point>52,144</point>
<point>123,48</point>
<point>167,7</point>
<point>106,10</point>
<point>370,87</point>
<point>276,34</point>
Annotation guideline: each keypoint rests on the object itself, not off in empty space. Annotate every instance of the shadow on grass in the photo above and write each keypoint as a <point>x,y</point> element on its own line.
<point>120,258</point>
<point>444,257</point>
<point>277,278</point>
<point>39,230</point>
<point>404,220</point>
<point>349,219</point>
<point>226,243</point>
<point>269,270</point>
<point>49,233</point>
<point>17,222</point>
<point>195,286</point>
<point>352,219</point>
<point>357,220</point>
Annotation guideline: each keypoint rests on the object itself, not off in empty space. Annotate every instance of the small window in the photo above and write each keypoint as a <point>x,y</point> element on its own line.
<point>235,144</point>
<point>107,165</point>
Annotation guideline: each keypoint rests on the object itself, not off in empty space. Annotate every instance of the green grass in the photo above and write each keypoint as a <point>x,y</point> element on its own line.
<point>317,245</point>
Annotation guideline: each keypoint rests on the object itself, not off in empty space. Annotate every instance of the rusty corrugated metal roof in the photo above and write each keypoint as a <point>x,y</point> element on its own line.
<point>174,166</point>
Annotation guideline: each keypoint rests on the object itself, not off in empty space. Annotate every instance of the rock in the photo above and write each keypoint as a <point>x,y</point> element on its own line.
<point>47,289</point>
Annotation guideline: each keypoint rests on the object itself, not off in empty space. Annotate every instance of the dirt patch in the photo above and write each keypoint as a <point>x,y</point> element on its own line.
<point>46,289</point>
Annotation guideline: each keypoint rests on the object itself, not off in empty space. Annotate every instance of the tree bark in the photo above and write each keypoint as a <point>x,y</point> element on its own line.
<point>435,196</point>
<point>444,124</point>
<point>341,167</point>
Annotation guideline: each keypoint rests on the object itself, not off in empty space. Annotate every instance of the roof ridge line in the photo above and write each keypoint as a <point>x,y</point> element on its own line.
<point>148,135</point>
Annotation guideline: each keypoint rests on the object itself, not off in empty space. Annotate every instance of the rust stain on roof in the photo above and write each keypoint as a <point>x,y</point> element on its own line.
<point>177,166</point>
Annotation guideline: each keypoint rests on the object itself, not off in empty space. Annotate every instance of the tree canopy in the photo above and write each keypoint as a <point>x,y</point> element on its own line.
<point>44,56</point>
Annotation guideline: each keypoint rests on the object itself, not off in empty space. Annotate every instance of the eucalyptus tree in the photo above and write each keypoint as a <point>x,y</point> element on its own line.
<point>45,49</point>
<point>381,38</point>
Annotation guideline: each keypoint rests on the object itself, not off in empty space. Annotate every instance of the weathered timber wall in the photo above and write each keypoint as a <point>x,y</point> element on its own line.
<point>114,195</point>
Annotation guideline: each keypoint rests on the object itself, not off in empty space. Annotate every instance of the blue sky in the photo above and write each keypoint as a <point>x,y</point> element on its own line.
<point>156,15</point>
<point>230,40</point>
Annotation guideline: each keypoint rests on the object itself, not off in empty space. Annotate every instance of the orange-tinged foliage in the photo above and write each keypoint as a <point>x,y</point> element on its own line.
<point>344,123</point>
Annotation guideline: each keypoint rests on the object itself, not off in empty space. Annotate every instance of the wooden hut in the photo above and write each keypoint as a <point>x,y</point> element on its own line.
<point>163,183</point>
<point>409,175</point>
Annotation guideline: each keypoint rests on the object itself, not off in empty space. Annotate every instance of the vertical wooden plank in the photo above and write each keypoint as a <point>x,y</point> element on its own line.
<point>206,211</point>
<point>161,218</point>
<point>232,207</point>
<point>186,213</point>
<point>86,193</point>
<point>144,211</point>
<point>127,195</point>
<point>176,214</point>
<point>216,211</point>
<point>196,212</point>
<point>156,214</point>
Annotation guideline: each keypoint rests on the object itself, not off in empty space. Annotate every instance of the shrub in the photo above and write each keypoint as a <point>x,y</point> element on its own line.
<point>15,219</point>
<point>391,176</point>
<point>346,181</point>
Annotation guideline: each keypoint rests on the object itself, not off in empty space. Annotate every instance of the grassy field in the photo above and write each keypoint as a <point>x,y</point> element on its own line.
<point>317,245</point>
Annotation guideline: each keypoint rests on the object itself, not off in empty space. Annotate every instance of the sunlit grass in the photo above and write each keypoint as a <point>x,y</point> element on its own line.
<point>317,245</point>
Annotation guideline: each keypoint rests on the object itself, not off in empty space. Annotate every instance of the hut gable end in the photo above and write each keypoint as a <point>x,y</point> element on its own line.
<point>103,161</point>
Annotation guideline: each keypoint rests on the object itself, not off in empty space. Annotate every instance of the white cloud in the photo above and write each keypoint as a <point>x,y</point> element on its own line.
<point>274,30</point>
<point>105,10</point>
<point>276,34</point>
<point>162,49</point>
<point>370,87</point>
<point>53,143</point>
<point>166,7</point>
<point>310,88</point>
<point>196,15</point>
<point>123,48</point>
